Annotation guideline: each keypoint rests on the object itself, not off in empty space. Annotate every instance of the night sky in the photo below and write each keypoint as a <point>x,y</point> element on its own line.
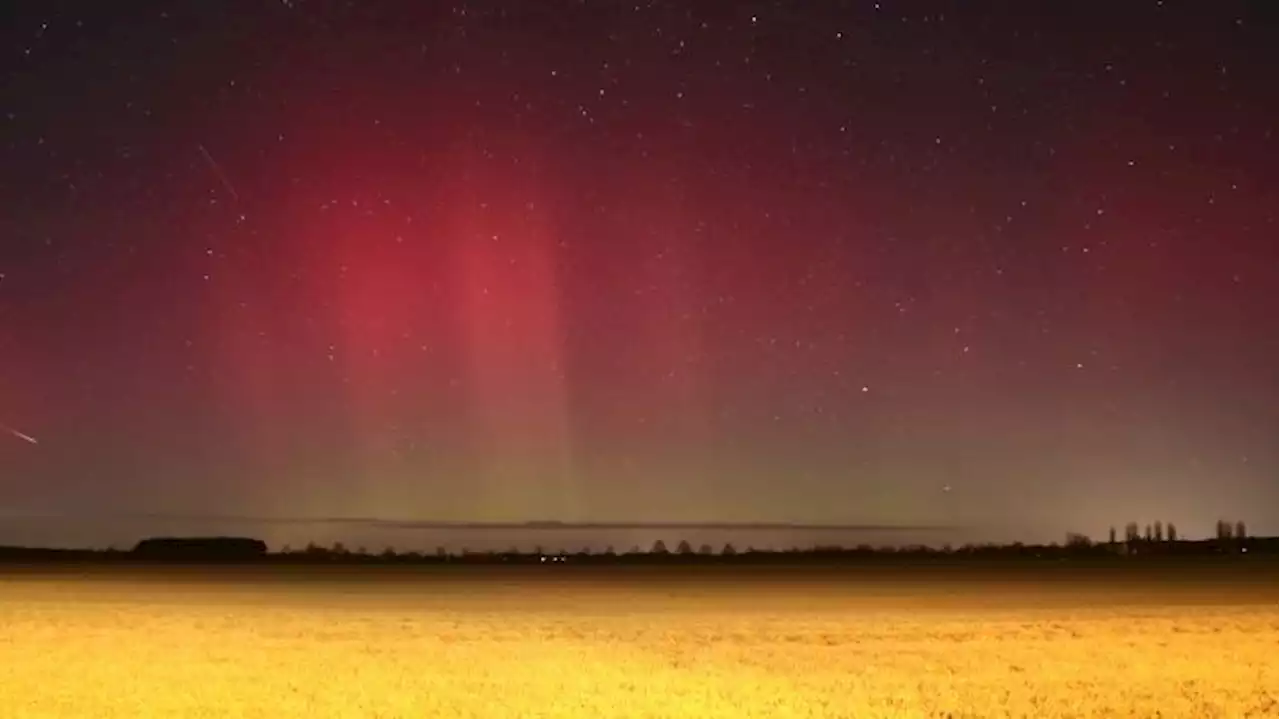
<point>998,265</point>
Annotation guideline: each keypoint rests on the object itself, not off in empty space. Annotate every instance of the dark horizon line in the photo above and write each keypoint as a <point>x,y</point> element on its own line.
<point>494,525</point>
<point>764,526</point>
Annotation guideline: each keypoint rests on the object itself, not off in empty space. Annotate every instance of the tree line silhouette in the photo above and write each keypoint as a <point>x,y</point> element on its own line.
<point>1158,539</point>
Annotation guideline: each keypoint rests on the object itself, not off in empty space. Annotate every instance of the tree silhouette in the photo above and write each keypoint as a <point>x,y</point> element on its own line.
<point>1131,532</point>
<point>1111,536</point>
<point>1159,531</point>
<point>1240,533</point>
<point>684,547</point>
<point>728,550</point>
<point>659,547</point>
<point>1223,530</point>
<point>706,550</point>
<point>1172,532</point>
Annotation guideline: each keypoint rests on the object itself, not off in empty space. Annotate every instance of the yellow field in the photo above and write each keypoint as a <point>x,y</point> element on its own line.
<point>674,644</point>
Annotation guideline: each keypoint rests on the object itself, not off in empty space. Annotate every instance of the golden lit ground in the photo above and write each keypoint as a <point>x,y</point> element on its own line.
<point>630,642</point>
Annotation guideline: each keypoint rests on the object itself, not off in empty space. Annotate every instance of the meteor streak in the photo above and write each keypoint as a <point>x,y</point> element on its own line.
<point>20,435</point>
<point>217,170</point>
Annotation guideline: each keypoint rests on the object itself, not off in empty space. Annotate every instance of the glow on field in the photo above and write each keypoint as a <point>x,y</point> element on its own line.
<point>728,650</point>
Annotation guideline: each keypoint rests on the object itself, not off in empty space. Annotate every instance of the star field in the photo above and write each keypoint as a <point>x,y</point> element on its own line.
<point>657,261</point>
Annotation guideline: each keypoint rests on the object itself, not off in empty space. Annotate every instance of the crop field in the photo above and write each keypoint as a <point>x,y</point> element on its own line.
<point>635,642</point>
